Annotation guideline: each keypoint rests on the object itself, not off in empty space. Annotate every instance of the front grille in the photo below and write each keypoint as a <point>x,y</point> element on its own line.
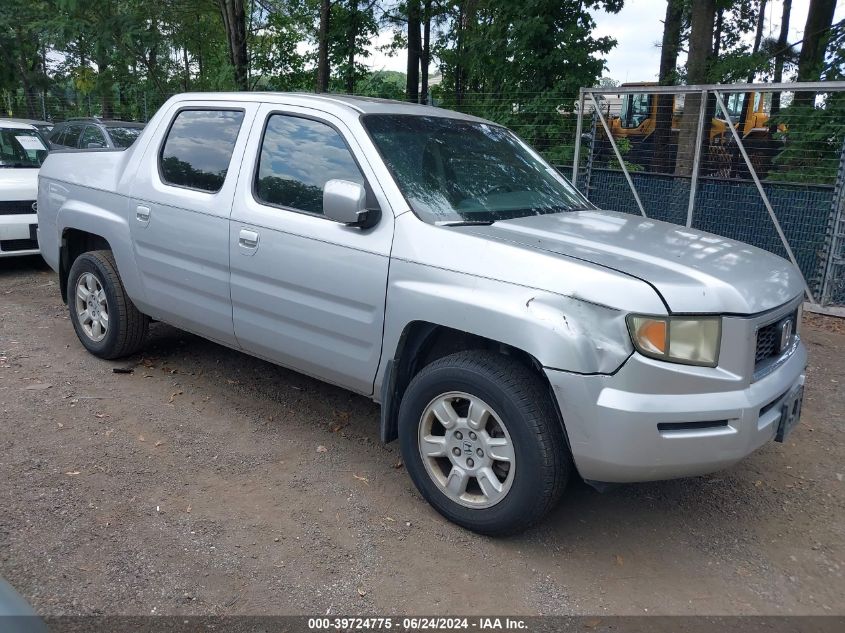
<point>9,246</point>
<point>16,207</point>
<point>769,339</point>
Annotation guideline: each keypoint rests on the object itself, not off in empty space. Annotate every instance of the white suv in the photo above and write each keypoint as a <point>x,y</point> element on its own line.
<point>22,150</point>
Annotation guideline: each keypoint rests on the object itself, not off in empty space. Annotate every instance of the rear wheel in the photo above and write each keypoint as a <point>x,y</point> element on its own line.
<point>482,442</point>
<point>106,321</point>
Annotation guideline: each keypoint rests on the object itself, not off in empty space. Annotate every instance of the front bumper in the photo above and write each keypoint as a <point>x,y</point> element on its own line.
<point>709,418</point>
<point>18,235</point>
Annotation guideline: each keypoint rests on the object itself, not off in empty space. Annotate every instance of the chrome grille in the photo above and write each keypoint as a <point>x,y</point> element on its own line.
<point>768,339</point>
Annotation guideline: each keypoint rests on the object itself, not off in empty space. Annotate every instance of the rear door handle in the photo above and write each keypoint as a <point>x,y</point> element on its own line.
<point>142,214</point>
<point>248,239</point>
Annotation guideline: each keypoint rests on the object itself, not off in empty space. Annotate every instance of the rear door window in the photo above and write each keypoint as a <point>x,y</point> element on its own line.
<point>92,135</point>
<point>198,148</point>
<point>71,137</point>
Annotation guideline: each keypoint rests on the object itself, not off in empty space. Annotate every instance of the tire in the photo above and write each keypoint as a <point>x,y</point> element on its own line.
<point>520,413</point>
<point>121,332</point>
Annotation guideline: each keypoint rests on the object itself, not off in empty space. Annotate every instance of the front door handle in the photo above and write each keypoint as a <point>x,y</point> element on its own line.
<point>248,239</point>
<point>142,214</point>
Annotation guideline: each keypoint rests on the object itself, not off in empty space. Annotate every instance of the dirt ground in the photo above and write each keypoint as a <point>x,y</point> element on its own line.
<point>209,482</point>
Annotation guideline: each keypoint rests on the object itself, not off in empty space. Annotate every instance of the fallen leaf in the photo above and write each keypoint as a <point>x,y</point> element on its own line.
<point>61,426</point>
<point>359,478</point>
<point>398,464</point>
<point>591,624</point>
<point>321,449</point>
<point>159,443</point>
<point>188,509</point>
<point>100,415</point>
<point>173,396</point>
<point>141,438</point>
<point>71,473</point>
<point>362,592</point>
<point>38,386</point>
<point>619,560</point>
<point>390,519</point>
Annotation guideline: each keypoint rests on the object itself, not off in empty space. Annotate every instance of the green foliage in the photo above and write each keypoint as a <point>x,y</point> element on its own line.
<point>521,64</point>
<point>812,141</point>
<point>386,84</point>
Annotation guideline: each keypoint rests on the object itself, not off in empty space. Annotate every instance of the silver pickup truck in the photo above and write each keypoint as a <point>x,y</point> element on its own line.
<point>512,333</point>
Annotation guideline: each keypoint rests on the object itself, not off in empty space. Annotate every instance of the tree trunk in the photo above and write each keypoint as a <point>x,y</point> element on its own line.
<point>816,37</point>
<point>666,103</point>
<point>758,37</point>
<point>351,37</point>
<point>425,54</point>
<point>459,51</point>
<point>104,83</point>
<point>467,11</point>
<point>782,50</point>
<point>323,47</point>
<point>698,63</point>
<point>412,84</point>
<point>187,81</point>
<point>233,13</point>
<point>717,35</point>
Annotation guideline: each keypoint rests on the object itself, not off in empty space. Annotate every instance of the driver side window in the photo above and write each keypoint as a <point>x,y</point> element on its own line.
<point>298,156</point>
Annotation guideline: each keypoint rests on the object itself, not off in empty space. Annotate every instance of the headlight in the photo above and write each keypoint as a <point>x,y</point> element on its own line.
<point>687,340</point>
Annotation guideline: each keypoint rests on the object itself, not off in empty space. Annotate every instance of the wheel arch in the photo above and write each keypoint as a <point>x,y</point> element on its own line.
<point>423,342</point>
<point>75,242</point>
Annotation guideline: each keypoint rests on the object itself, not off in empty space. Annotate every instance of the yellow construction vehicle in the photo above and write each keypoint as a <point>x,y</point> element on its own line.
<point>637,121</point>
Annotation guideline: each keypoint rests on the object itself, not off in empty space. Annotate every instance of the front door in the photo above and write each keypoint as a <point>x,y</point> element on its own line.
<point>307,292</point>
<point>179,214</point>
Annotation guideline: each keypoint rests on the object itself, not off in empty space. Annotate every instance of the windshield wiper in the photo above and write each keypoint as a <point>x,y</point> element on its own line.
<point>464,222</point>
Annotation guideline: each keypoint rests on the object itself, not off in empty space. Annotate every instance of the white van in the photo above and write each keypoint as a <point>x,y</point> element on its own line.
<point>22,150</point>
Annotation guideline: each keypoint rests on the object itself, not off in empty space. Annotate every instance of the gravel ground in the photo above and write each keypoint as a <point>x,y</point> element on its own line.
<point>209,482</point>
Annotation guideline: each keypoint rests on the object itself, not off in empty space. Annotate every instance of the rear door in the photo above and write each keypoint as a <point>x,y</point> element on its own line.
<point>179,214</point>
<point>307,292</point>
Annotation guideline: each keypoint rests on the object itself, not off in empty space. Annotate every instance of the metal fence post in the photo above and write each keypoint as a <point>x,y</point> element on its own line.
<point>576,161</point>
<point>43,107</point>
<point>836,236</point>
<point>618,154</point>
<point>696,160</point>
<point>588,169</point>
<point>762,193</point>
<point>146,117</point>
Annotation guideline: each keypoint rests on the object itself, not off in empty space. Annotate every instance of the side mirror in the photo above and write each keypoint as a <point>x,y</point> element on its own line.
<point>345,202</point>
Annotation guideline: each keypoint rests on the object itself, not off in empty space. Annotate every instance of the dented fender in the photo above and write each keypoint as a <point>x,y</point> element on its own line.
<point>559,332</point>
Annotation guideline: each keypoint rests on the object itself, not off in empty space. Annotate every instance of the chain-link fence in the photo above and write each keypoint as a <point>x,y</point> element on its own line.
<point>761,163</point>
<point>60,105</point>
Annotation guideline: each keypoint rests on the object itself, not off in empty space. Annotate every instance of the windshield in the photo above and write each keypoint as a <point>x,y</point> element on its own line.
<point>21,148</point>
<point>461,171</point>
<point>123,137</point>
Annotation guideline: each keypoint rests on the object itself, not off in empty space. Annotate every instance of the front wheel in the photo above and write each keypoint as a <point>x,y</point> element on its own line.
<point>482,442</point>
<point>106,321</point>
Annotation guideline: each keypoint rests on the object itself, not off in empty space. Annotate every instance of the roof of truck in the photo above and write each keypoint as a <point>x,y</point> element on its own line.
<point>362,105</point>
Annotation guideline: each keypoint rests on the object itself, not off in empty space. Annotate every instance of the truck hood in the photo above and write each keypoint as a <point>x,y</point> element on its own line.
<point>693,271</point>
<point>18,184</point>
